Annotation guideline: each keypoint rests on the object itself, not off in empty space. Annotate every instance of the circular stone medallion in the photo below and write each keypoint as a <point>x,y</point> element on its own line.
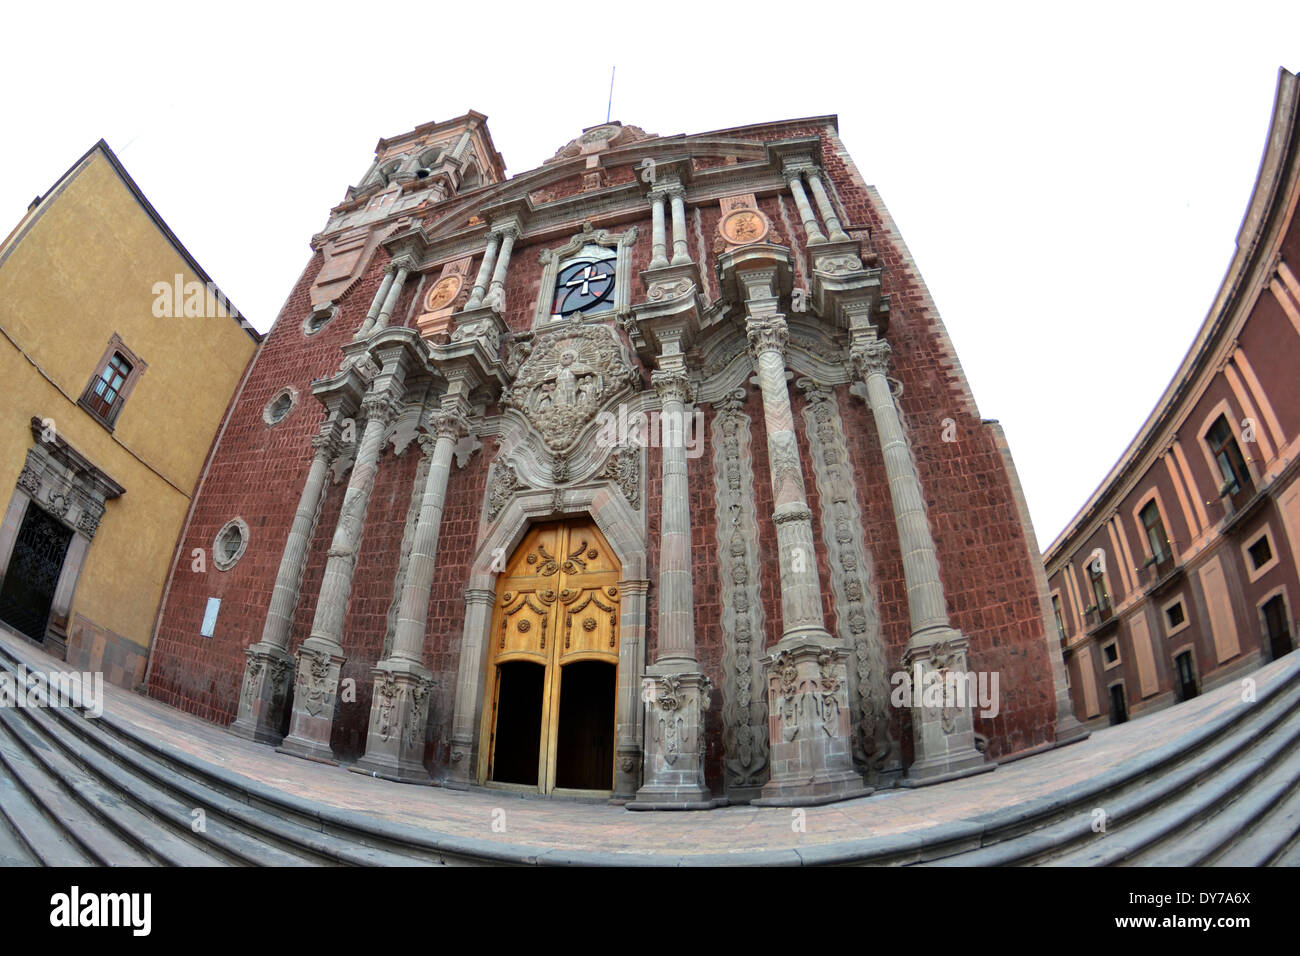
<point>743,226</point>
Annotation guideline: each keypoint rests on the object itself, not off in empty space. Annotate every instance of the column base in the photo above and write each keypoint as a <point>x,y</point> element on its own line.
<point>314,700</point>
<point>1068,729</point>
<point>264,694</point>
<point>943,729</point>
<point>674,758</point>
<point>462,769</point>
<point>809,717</point>
<point>399,713</point>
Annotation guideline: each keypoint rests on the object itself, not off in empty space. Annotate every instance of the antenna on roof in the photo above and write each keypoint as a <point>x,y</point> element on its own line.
<point>609,109</point>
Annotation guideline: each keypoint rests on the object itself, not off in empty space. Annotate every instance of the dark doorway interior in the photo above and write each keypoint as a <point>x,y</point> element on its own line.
<point>519,723</point>
<point>1279,635</point>
<point>585,749</point>
<point>34,569</point>
<point>1118,706</point>
<point>1185,677</point>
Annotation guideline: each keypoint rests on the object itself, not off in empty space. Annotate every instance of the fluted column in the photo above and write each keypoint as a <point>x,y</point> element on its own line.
<point>676,594</point>
<point>658,240</point>
<point>462,769</point>
<point>484,273</point>
<point>679,693</point>
<point>681,255</point>
<point>401,268</point>
<point>377,303</point>
<point>264,692</point>
<point>943,736</point>
<point>811,746</point>
<point>795,178</point>
<point>497,289</point>
<point>321,656</point>
<point>403,685</point>
<point>925,597</point>
<point>837,233</point>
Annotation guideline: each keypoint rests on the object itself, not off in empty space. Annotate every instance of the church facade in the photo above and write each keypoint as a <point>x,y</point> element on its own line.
<point>648,473</point>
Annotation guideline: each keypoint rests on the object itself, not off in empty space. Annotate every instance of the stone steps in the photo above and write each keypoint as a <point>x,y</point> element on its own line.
<point>78,791</point>
<point>1225,797</point>
<point>95,791</point>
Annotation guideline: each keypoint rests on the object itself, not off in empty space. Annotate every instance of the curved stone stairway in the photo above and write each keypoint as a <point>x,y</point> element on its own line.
<point>78,791</point>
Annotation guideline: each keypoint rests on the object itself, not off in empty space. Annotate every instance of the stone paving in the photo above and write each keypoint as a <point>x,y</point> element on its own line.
<point>598,827</point>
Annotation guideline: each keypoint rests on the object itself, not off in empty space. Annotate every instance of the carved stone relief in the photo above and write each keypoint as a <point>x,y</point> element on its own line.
<point>566,378</point>
<point>851,582</point>
<point>744,706</point>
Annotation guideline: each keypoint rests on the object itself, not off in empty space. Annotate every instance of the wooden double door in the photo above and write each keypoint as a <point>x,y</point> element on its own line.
<point>553,665</point>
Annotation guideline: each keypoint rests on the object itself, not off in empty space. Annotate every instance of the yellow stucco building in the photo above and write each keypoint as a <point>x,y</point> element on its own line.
<point>119,358</point>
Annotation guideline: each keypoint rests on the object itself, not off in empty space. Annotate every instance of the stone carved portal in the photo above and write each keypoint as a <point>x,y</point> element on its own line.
<point>553,661</point>
<point>568,376</point>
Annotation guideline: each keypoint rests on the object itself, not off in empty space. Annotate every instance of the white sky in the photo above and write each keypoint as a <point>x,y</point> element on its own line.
<point>1070,182</point>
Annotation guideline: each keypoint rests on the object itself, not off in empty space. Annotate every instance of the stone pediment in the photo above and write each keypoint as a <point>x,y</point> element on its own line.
<point>568,375</point>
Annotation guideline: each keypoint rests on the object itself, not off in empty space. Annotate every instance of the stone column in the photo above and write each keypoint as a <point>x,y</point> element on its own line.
<point>659,241</point>
<point>837,233</point>
<point>321,656</point>
<point>264,692</point>
<point>403,267</point>
<point>676,594</point>
<point>681,255</point>
<point>484,273</point>
<point>801,605</point>
<point>676,694</point>
<point>809,716</point>
<point>497,290</point>
<point>795,178</point>
<point>462,770</point>
<point>376,303</point>
<point>944,736</point>
<point>403,685</point>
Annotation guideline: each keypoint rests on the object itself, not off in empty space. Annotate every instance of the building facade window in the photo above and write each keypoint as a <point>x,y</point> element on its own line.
<point>1175,616</point>
<point>1259,554</point>
<point>230,544</point>
<point>1060,621</point>
<point>1154,530</point>
<point>116,375</point>
<point>1101,600</point>
<point>1110,654</point>
<point>280,405</point>
<point>1233,474</point>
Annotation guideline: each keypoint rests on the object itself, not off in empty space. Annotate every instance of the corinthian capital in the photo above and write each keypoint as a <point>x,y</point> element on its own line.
<point>327,443</point>
<point>672,385</point>
<point>767,335</point>
<point>870,358</point>
<point>380,406</point>
<point>791,174</point>
<point>448,423</point>
<point>400,263</point>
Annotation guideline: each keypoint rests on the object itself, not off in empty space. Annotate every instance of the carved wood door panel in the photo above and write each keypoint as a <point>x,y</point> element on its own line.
<point>557,604</point>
